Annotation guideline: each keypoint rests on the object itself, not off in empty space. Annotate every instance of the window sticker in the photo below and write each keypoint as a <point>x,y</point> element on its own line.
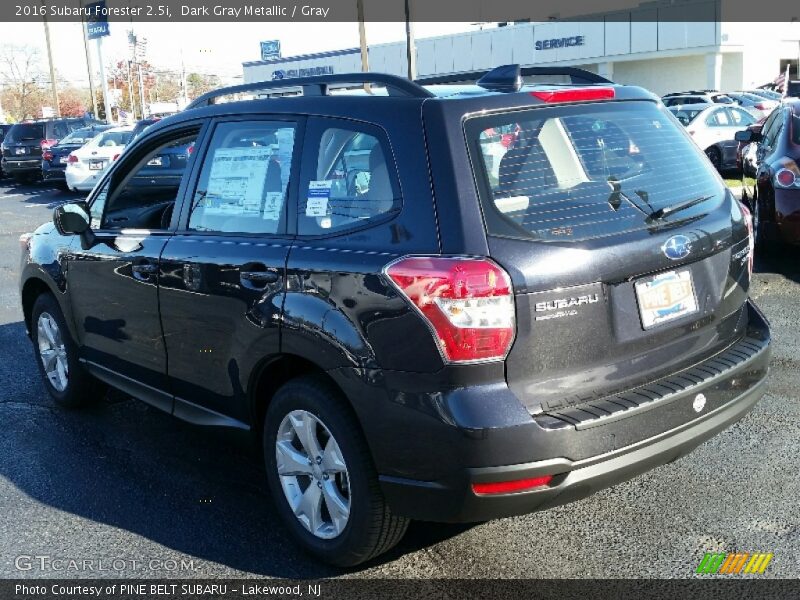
<point>272,206</point>
<point>236,181</point>
<point>318,194</point>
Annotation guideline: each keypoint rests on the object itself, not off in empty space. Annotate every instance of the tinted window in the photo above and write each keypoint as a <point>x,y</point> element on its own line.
<point>245,177</point>
<point>772,132</point>
<point>579,172</point>
<point>354,181</point>
<point>795,125</point>
<point>26,131</point>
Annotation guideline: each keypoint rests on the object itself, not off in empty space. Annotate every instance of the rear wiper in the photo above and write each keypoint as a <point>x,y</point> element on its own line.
<point>673,208</point>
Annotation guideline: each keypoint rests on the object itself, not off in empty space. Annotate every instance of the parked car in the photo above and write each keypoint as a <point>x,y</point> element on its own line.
<point>774,198</point>
<point>745,152</point>
<point>86,164</point>
<point>765,93</point>
<point>713,128</point>
<point>696,97</point>
<point>55,158</point>
<point>755,104</point>
<point>141,125</point>
<point>4,127</point>
<point>408,337</point>
<point>25,142</point>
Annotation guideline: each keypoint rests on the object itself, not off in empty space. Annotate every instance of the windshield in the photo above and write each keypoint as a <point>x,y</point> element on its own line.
<point>686,114</point>
<point>578,172</point>
<point>112,138</point>
<point>26,131</point>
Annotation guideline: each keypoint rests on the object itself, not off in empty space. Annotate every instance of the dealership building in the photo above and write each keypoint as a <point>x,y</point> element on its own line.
<point>654,45</point>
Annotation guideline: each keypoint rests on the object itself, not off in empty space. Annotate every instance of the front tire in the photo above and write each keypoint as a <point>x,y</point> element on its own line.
<point>57,357</point>
<point>322,478</point>
<point>715,156</point>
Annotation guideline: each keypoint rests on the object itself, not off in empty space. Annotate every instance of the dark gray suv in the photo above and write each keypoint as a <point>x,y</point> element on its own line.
<point>446,303</point>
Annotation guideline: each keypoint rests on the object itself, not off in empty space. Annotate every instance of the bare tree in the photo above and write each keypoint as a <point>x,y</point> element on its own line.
<point>21,75</point>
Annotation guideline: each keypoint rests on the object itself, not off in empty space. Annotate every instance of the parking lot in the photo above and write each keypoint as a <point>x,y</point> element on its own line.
<point>139,494</point>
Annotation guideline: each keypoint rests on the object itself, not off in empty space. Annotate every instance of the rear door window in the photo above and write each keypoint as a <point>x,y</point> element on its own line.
<point>579,172</point>
<point>353,180</point>
<point>718,118</point>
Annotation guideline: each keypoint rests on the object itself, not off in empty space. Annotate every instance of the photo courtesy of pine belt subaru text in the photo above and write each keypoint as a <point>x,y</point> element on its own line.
<point>440,300</point>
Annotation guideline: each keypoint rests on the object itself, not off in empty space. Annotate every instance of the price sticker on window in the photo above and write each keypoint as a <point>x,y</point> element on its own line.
<point>317,200</point>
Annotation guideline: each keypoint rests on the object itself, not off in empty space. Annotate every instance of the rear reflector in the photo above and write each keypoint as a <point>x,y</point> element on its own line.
<point>574,95</point>
<point>468,303</point>
<point>785,177</point>
<point>508,487</point>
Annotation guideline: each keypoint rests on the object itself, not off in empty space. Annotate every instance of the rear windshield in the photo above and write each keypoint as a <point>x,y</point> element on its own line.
<point>576,172</point>
<point>112,138</point>
<point>26,131</point>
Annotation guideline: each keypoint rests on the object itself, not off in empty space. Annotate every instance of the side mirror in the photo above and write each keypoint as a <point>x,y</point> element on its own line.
<point>747,136</point>
<point>73,218</point>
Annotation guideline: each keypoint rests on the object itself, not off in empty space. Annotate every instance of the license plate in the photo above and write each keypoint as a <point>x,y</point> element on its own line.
<point>22,150</point>
<point>666,297</point>
<point>63,160</point>
<point>96,165</point>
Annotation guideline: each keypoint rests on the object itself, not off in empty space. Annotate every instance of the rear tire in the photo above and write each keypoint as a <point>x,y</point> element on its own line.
<point>761,245</point>
<point>70,385</point>
<point>343,471</point>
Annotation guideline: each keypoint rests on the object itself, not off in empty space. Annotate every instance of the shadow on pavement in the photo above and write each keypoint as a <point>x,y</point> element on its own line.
<point>781,260</point>
<point>46,194</point>
<point>198,491</point>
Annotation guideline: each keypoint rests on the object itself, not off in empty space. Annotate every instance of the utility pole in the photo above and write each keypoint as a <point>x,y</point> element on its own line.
<point>104,80</point>
<point>53,83</point>
<point>184,88</point>
<point>362,42</point>
<point>89,67</point>
<point>411,45</point>
<point>141,91</point>
<point>130,91</point>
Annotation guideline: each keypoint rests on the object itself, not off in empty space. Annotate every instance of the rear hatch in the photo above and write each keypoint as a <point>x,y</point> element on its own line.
<point>629,256</point>
<point>24,142</point>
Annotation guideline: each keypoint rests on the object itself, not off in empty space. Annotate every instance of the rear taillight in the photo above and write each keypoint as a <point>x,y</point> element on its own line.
<point>468,303</point>
<point>116,156</point>
<point>751,238</point>
<point>72,159</point>
<point>760,106</point>
<point>509,487</point>
<point>47,155</point>
<point>574,94</point>
<point>47,143</point>
<point>785,178</point>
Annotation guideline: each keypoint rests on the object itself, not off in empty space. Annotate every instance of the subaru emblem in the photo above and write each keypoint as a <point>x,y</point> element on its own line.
<point>677,247</point>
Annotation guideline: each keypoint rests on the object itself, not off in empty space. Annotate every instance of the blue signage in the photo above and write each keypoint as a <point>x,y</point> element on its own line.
<point>270,49</point>
<point>97,21</point>
<point>565,42</point>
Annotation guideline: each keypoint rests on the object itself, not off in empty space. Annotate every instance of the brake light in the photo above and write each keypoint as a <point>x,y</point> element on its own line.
<point>785,178</point>
<point>72,159</point>
<point>468,303</point>
<point>751,238</point>
<point>760,106</point>
<point>507,487</point>
<point>47,143</point>
<point>575,94</point>
<point>47,155</point>
<point>116,156</point>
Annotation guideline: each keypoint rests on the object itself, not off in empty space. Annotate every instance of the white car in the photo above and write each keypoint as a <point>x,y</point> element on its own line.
<point>86,165</point>
<point>712,127</point>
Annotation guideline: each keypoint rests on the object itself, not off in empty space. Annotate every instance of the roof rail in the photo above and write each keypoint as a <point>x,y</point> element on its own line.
<point>577,76</point>
<point>318,85</point>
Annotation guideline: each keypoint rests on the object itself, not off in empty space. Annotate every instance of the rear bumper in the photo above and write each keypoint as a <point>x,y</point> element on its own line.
<point>52,172</point>
<point>729,396</point>
<point>19,167</point>
<point>787,216</point>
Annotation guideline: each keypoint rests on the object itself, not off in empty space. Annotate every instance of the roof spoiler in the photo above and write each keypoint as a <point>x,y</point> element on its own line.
<point>508,78</point>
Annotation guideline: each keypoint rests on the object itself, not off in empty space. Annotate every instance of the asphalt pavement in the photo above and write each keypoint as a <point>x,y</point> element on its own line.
<point>122,490</point>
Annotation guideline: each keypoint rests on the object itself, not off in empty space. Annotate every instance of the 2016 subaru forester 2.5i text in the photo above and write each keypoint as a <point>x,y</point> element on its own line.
<point>437,302</point>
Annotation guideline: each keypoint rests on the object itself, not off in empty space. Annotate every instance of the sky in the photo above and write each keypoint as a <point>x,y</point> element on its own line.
<point>213,48</point>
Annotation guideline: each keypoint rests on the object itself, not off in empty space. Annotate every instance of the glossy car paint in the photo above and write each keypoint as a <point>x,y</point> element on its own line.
<point>779,208</point>
<point>194,340</point>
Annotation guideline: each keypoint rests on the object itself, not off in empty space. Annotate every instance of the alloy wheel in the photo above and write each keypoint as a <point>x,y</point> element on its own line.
<point>52,351</point>
<point>313,474</point>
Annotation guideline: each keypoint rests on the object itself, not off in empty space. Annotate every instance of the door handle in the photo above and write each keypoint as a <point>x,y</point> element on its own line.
<point>259,277</point>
